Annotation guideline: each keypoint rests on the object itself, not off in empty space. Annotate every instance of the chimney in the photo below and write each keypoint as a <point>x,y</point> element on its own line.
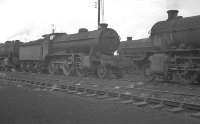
<point>82,30</point>
<point>172,14</point>
<point>129,38</point>
<point>103,26</point>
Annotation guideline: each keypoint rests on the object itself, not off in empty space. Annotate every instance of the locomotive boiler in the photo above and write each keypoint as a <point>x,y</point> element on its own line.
<point>178,56</point>
<point>176,32</point>
<point>81,53</point>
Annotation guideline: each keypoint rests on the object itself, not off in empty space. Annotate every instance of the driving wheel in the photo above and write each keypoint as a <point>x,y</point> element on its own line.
<point>102,71</point>
<point>52,68</point>
<point>81,72</point>
<point>67,70</point>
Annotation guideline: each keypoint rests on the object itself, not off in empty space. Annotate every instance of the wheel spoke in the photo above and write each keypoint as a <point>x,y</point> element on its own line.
<point>67,70</point>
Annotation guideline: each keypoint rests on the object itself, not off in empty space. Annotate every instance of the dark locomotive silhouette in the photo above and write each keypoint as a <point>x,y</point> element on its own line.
<point>70,54</point>
<point>171,53</point>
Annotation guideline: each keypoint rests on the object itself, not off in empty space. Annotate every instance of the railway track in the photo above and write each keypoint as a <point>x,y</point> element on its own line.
<point>174,102</point>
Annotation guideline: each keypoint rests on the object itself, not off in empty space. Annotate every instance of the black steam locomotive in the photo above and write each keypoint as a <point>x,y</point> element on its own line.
<point>71,54</point>
<point>172,52</point>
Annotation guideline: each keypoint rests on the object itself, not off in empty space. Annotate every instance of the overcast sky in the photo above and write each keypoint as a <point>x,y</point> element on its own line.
<point>29,19</point>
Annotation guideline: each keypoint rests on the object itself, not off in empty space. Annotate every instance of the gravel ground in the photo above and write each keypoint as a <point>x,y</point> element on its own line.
<point>20,105</point>
<point>128,81</point>
<point>126,85</point>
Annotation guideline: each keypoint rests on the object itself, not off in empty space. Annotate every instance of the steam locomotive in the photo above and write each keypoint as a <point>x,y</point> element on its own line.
<point>71,54</point>
<point>172,52</point>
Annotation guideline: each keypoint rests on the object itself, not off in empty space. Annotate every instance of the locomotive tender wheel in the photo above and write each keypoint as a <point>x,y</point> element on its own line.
<point>194,79</point>
<point>51,68</point>
<point>38,68</point>
<point>102,71</point>
<point>67,70</point>
<point>81,72</point>
<point>147,73</point>
<point>119,74</point>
